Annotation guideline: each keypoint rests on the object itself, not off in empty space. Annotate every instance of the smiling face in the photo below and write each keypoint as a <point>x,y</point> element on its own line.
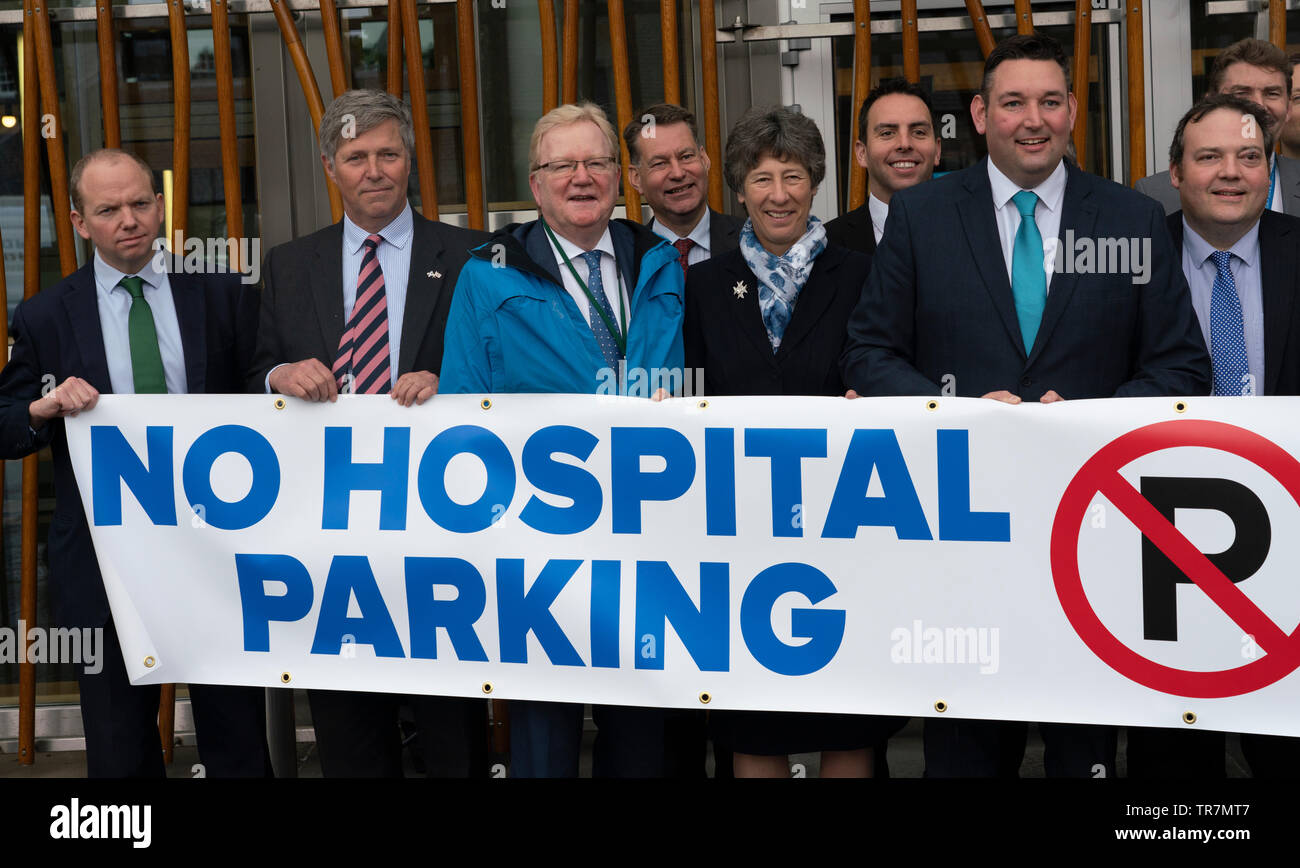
<point>901,149</point>
<point>1026,120</point>
<point>1223,177</point>
<point>576,206</point>
<point>778,195</point>
<point>1267,87</point>
<point>371,172</point>
<point>673,175</point>
<point>119,213</point>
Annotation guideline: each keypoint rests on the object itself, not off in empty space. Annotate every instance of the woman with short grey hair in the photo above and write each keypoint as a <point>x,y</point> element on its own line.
<point>771,319</point>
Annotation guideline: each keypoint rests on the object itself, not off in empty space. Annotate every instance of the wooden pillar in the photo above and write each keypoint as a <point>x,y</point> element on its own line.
<point>229,135</point>
<point>983,34</point>
<point>550,56</point>
<point>475,207</point>
<point>671,60</point>
<point>1024,17</point>
<point>1137,110</point>
<point>911,43</point>
<point>623,99</point>
<point>108,73</point>
<point>419,110</point>
<point>1277,23</point>
<point>1082,52</point>
<point>861,84</point>
<point>394,49</point>
<point>307,79</point>
<point>54,148</point>
<point>712,123</point>
<point>180,46</point>
<point>570,51</point>
<point>329,22</point>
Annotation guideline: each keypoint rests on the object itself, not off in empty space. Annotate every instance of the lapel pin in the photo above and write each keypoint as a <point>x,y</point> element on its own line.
<point>740,289</point>
<point>434,274</point>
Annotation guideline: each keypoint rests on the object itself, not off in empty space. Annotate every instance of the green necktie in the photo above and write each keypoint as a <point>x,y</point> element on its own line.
<point>146,360</point>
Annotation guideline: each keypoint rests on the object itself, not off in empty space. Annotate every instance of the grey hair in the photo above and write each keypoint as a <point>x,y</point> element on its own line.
<point>361,111</point>
<point>562,116</point>
<point>773,131</point>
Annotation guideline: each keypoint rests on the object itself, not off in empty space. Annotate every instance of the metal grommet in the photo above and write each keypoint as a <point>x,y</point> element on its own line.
<point>486,403</point>
<point>1189,717</point>
<point>1180,407</point>
<point>932,404</point>
<point>285,677</point>
<point>149,662</point>
<point>706,698</point>
<point>941,706</point>
<point>280,404</point>
<point>703,405</point>
<point>487,686</point>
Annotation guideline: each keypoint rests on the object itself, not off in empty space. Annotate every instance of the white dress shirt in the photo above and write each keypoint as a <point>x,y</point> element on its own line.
<point>1047,213</point>
<point>700,251</point>
<point>114,312</point>
<point>609,277</point>
<point>879,214</point>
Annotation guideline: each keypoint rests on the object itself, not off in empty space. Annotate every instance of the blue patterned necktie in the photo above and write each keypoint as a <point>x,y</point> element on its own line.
<point>1028,279</point>
<point>595,283</point>
<point>1227,331</point>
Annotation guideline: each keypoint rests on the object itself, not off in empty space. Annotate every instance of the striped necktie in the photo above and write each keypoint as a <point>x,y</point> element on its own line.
<point>362,366</point>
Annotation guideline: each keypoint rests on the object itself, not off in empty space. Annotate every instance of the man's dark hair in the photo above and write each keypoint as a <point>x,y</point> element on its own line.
<point>886,87</point>
<point>1024,46</point>
<point>1214,102</point>
<point>661,115</point>
<point>1256,52</point>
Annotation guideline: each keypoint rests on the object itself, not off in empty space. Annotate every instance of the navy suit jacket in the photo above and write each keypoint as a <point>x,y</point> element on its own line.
<point>854,230</point>
<point>58,332</point>
<point>302,298</point>
<point>1279,254</point>
<point>938,303</point>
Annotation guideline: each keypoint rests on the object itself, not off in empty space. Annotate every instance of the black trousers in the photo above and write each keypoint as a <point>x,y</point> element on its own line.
<point>956,748</point>
<point>358,736</point>
<point>1188,754</point>
<point>121,724</point>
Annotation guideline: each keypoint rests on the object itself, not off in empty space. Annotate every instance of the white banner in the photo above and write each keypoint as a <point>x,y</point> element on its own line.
<point>899,556</point>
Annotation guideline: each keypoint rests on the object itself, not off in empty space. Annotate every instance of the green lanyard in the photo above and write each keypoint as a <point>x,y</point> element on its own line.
<point>619,335</point>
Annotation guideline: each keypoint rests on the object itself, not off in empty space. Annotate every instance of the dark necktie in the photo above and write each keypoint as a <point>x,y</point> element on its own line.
<point>683,246</point>
<point>362,365</point>
<point>146,359</point>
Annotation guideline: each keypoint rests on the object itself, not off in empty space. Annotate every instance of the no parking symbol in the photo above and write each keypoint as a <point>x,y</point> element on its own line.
<point>1101,475</point>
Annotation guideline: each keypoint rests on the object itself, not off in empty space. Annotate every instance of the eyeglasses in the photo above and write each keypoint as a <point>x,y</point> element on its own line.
<point>686,159</point>
<point>565,168</point>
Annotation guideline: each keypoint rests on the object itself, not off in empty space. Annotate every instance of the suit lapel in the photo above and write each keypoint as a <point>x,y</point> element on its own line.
<point>724,234</point>
<point>82,307</point>
<point>187,296</point>
<point>1288,176</point>
<point>1278,267</point>
<point>744,308</point>
<point>424,286</point>
<point>980,224</point>
<point>1079,214</point>
<point>814,298</point>
<point>326,282</point>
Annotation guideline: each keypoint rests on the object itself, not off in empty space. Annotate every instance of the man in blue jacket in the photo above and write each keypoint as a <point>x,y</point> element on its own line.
<point>571,303</point>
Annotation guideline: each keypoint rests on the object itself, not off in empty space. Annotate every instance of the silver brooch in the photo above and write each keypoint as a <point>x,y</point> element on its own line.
<point>740,289</point>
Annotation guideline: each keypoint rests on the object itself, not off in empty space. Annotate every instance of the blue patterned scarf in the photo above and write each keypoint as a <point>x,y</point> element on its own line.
<point>780,278</point>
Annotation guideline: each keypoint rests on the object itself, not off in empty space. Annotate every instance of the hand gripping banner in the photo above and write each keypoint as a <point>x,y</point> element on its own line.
<point>1125,561</point>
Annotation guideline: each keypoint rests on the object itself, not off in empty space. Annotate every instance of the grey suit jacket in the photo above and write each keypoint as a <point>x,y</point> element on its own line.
<point>1160,188</point>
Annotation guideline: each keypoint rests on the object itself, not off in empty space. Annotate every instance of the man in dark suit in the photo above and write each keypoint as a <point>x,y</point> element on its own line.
<point>959,295</point>
<point>898,147</point>
<point>124,323</point>
<point>670,168</point>
<point>360,307</point>
<point>1242,263</point>
<point>1260,72</point>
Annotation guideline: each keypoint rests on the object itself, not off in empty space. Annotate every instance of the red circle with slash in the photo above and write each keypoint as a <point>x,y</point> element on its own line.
<point>1100,475</point>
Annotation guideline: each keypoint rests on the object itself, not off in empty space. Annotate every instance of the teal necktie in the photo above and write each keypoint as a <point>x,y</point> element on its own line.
<point>146,359</point>
<point>1028,280</point>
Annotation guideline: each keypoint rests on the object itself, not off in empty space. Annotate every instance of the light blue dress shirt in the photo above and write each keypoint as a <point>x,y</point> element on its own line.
<point>1245,264</point>
<point>114,310</point>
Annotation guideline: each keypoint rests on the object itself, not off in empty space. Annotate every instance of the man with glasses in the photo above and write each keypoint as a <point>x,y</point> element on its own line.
<point>567,304</point>
<point>670,168</point>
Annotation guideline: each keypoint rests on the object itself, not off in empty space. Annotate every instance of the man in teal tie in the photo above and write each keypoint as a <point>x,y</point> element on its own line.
<point>975,291</point>
<point>124,323</point>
